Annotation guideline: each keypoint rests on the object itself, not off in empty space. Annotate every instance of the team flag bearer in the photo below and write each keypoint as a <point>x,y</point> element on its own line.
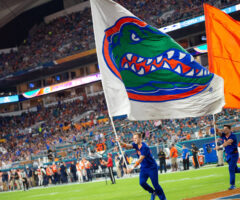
<point>148,167</point>
<point>231,150</point>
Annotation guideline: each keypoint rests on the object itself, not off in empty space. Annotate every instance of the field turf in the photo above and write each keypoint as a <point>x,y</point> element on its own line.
<point>176,186</point>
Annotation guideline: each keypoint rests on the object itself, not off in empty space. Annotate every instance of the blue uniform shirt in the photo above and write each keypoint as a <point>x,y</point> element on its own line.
<point>148,161</point>
<point>184,152</point>
<point>233,148</point>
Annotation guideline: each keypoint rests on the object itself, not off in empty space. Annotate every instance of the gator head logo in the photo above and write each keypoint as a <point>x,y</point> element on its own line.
<point>151,65</point>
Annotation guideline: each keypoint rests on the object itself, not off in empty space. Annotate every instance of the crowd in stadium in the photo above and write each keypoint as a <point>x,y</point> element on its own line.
<point>23,137</point>
<point>21,144</point>
<point>161,13</point>
<point>55,173</point>
<point>62,37</point>
<point>20,139</point>
<point>71,34</point>
<point>59,136</point>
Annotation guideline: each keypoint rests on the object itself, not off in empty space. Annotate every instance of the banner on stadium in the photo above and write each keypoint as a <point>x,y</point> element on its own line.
<point>223,42</point>
<point>145,73</point>
<point>9,99</point>
<point>62,86</point>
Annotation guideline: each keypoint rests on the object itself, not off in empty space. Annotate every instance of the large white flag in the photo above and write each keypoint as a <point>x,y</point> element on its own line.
<point>145,73</point>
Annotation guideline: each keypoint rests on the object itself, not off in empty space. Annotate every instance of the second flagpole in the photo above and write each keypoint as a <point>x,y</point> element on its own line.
<point>114,130</point>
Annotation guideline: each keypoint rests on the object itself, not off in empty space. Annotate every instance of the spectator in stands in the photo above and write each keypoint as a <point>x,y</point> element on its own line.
<point>118,165</point>
<point>73,170</point>
<point>83,170</point>
<point>63,171</point>
<point>185,157</point>
<point>12,180</point>
<point>29,173</point>
<point>88,166</point>
<point>49,174</point>
<point>55,173</point>
<point>195,155</point>
<point>40,174</point>
<point>109,165</point>
<point>79,172</point>
<point>174,156</point>
<point>162,160</point>
<point>24,180</point>
<point>123,161</point>
<point>1,183</point>
<point>5,180</point>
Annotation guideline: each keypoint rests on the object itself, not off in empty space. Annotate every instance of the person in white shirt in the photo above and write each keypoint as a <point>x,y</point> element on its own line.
<point>79,172</point>
<point>83,170</point>
<point>40,172</point>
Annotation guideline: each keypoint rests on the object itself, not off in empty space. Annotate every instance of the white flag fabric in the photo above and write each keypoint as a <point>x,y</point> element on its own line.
<point>145,73</point>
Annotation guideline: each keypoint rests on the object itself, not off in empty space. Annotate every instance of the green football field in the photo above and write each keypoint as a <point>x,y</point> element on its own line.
<point>176,186</point>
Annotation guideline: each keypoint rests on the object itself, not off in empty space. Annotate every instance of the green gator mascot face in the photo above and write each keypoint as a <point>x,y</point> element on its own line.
<point>151,65</point>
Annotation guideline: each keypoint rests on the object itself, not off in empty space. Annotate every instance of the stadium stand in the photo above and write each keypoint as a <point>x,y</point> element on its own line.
<point>73,33</point>
<point>60,127</point>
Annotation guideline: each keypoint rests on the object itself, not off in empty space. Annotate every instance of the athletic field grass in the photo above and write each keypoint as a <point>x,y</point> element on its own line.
<point>176,186</point>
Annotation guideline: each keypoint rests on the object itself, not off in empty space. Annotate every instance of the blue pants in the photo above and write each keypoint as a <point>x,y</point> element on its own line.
<point>153,175</point>
<point>64,178</point>
<point>232,166</point>
<point>55,180</point>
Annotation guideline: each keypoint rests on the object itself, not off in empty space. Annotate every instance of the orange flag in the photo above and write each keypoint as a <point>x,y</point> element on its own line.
<point>223,40</point>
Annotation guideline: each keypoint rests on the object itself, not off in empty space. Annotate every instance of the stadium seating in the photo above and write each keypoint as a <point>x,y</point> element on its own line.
<point>58,132</point>
<point>72,34</point>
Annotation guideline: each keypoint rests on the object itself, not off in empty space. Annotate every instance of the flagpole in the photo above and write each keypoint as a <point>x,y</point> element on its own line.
<point>214,126</point>
<point>114,130</point>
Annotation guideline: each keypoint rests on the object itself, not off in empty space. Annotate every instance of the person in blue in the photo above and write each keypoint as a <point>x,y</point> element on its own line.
<point>63,171</point>
<point>231,150</point>
<point>185,157</point>
<point>148,167</point>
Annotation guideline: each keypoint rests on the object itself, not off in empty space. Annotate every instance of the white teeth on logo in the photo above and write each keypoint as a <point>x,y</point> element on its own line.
<point>170,54</point>
<point>141,72</point>
<point>200,73</point>
<point>153,68</point>
<point>133,68</point>
<point>181,55</point>
<point>149,61</point>
<point>208,72</point>
<point>125,66</point>
<point>140,59</point>
<point>178,69</point>
<point>159,59</point>
<point>191,73</point>
<point>204,72</point>
<point>129,56</point>
<point>192,59</point>
<point>166,65</point>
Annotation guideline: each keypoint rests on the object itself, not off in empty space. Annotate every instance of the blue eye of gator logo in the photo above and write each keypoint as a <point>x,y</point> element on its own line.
<point>152,66</point>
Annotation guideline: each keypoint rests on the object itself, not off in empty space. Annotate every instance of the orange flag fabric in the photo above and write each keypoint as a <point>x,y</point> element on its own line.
<point>223,40</point>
